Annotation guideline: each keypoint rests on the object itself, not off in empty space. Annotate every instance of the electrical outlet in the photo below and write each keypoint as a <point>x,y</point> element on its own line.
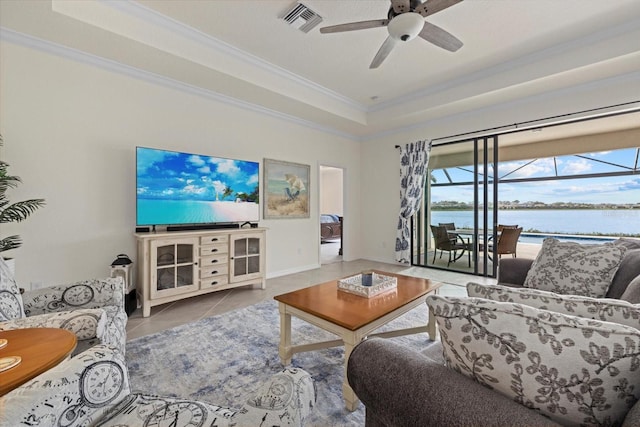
<point>36,285</point>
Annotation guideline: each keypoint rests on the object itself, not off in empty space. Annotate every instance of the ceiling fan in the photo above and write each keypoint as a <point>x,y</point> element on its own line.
<point>404,22</point>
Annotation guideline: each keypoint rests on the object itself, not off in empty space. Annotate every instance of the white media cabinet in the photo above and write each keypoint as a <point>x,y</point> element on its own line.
<point>181,264</point>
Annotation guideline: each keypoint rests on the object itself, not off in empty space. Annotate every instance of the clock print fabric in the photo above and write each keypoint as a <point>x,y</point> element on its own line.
<point>10,300</point>
<point>92,309</point>
<point>77,392</point>
<point>87,324</point>
<point>92,389</point>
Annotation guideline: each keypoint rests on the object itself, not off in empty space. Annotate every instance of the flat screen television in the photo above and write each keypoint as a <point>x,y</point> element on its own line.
<point>174,188</point>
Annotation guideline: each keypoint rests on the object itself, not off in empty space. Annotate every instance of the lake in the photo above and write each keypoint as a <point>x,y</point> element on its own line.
<point>563,221</point>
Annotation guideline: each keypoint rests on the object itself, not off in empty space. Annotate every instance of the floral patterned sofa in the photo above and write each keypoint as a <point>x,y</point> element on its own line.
<point>543,351</point>
<point>92,309</point>
<point>92,389</point>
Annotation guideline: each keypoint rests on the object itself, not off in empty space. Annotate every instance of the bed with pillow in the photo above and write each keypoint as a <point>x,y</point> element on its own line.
<point>558,346</point>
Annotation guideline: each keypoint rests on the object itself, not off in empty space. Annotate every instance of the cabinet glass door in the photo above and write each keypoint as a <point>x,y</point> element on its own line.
<point>175,266</point>
<point>246,257</point>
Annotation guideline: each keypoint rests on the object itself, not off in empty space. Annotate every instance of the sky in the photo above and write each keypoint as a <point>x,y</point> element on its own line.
<point>178,176</point>
<point>622,189</point>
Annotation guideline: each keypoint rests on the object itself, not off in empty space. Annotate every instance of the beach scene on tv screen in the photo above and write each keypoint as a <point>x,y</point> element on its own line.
<point>183,188</point>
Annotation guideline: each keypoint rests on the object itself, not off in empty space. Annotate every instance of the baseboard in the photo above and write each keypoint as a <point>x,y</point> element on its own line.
<point>292,270</point>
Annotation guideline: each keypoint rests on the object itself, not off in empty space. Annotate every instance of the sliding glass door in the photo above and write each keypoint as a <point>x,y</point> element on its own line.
<point>454,228</point>
<point>553,182</point>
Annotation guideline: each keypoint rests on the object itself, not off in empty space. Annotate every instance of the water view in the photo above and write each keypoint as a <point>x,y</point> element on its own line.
<point>562,221</point>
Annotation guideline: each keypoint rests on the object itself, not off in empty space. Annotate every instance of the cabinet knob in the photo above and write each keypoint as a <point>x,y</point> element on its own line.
<point>214,272</point>
<point>214,283</point>
<point>215,239</point>
<point>213,261</point>
<point>214,250</point>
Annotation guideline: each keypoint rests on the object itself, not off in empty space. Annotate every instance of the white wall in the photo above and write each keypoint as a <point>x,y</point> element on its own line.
<point>70,130</point>
<point>331,197</point>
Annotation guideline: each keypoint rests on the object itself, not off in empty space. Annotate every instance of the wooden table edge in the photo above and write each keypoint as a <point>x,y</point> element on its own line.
<point>10,382</point>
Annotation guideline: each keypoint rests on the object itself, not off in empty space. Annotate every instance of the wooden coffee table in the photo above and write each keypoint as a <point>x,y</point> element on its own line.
<point>40,349</point>
<point>351,317</point>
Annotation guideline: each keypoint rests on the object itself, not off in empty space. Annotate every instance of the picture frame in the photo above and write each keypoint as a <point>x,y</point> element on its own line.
<point>286,190</point>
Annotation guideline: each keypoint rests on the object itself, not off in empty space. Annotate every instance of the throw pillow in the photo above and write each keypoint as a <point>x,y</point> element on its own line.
<point>576,371</point>
<point>573,268</point>
<point>10,299</point>
<point>604,309</point>
<point>629,269</point>
<point>632,293</point>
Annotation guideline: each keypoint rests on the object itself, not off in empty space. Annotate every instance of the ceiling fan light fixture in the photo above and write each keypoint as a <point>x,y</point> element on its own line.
<point>406,26</point>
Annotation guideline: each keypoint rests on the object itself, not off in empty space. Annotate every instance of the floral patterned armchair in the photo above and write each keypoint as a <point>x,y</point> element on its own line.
<point>92,389</point>
<point>92,309</point>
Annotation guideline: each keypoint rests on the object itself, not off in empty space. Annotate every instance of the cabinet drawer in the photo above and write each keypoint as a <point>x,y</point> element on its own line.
<point>211,282</point>
<point>214,270</point>
<point>220,248</point>
<point>213,260</point>
<point>213,240</point>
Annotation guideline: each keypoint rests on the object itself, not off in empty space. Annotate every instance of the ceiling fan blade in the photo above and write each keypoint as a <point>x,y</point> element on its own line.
<point>352,26</point>
<point>439,37</point>
<point>429,7</point>
<point>384,51</point>
<point>400,6</point>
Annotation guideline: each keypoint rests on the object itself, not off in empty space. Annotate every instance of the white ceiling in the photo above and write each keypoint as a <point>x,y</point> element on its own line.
<point>242,52</point>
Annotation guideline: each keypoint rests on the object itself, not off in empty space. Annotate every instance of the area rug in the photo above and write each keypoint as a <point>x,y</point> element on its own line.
<point>223,359</point>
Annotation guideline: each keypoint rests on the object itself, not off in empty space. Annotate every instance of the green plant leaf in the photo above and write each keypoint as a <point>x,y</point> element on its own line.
<point>11,242</point>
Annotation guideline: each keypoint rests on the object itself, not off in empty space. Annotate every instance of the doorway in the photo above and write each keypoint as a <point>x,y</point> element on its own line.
<point>331,214</point>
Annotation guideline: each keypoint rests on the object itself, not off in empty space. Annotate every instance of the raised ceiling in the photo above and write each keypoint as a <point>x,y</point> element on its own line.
<point>241,51</point>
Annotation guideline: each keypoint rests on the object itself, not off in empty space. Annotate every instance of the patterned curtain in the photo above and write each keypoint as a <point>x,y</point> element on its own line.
<point>414,159</point>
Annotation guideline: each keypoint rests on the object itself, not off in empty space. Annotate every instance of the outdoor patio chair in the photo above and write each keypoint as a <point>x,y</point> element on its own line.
<point>450,226</point>
<point>500,228</point>
<point>445,242</point>
<point>507,242</point>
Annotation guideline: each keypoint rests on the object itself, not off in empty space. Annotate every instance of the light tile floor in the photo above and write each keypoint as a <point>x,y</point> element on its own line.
<point>330,252</point>
<point>195,308</point>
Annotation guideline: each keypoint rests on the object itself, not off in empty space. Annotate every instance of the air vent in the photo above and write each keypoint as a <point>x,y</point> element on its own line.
<point>302,18</point>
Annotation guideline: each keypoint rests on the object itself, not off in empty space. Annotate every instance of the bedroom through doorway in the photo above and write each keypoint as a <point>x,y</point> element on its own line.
<point>331,214</point>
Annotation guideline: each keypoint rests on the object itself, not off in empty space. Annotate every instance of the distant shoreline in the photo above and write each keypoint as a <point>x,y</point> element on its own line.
<point>598,222</point>
<point>546,207</point>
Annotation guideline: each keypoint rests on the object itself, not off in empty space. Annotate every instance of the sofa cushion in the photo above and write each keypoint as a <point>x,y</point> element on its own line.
<point>11,306</point>
<point>628,270</point>
<point>573,268</point>
<point>628,243</point>
<point>574,370</point>
<point>604,309</point>
<point>632,293</point>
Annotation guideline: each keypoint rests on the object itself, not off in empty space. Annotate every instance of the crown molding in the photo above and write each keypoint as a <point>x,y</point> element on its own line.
<point>560,49</point>
<point>630,79</point>
<point>152,17</point>
<point>25,40</point>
